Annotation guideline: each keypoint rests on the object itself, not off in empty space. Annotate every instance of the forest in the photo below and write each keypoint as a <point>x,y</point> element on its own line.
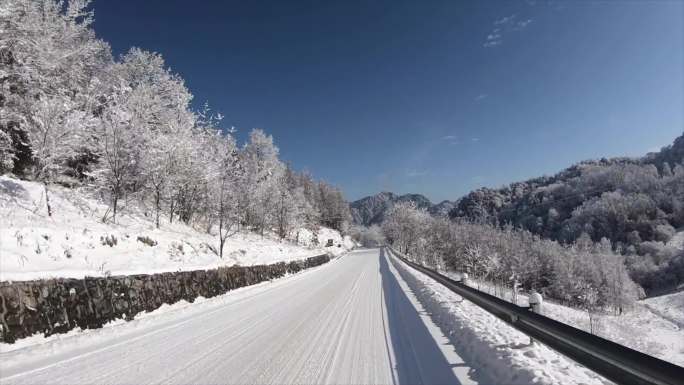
<point>598,235</point>
<point>583,274</point>
<point>73,114</point>
<point>636,204</point>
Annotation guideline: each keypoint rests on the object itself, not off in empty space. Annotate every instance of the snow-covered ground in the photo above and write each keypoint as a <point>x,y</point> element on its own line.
<point>654,326</point>
<point>670,307</point>
<point>503,353</point>
<point>74,241</point>
<point>352,320</point>
<point>643,328</point>
<point>363,318</point>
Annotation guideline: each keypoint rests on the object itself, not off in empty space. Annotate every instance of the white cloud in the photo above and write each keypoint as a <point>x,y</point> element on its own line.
<point>450,139</point>
<point>481,97</point>
<point>503,27</point>
<point>506,20</point>
<point>523,23</point>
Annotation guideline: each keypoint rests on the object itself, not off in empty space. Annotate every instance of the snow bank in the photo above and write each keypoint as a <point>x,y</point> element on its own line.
<point>670,307</point>
<point>74,242</point>
<point>340,244</point>
<point>500,352</point>
<point>654,326</point>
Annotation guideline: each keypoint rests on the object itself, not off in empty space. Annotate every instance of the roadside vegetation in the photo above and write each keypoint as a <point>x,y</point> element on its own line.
<point>124,127</point>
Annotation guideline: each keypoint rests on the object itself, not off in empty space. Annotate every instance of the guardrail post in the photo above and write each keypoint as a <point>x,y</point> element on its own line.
<point>535,300</point>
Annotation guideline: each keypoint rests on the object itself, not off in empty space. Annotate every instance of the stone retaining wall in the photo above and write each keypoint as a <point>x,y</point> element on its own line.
<point>58,305</point>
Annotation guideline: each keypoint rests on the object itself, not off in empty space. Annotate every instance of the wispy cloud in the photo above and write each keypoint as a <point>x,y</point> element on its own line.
<point>480,97</point>
<point>474,140</point>
<point>506,20</point>
<point>451,139</point>
<point>416,173</point>
<point>504,26</point>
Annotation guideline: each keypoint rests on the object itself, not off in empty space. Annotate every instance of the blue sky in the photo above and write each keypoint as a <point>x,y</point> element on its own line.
<point>431,97</point>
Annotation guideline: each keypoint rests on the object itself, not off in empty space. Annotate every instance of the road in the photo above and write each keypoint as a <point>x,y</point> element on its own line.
<point>353,320</point>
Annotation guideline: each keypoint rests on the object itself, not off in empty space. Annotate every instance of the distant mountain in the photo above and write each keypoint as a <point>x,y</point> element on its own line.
<point>442,208</point>
<point>372,209</point>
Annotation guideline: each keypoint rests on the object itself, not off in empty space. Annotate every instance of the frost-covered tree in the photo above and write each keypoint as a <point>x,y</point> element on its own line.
<point>52,63</point>
<point>55,133</point>
<point>262,172</point>
<point>6,153</point>
<point>334,210</point>
<point>49,49</point>
<point>405,225</point>
<point>292,210</point>
<point>221,173</point>
<point>370,236</point>
<point>118,147</point>
<point>70,112</point>
<point>159,104</point>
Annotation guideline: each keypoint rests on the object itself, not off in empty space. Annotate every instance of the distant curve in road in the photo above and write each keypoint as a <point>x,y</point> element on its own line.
<point>353,320</point>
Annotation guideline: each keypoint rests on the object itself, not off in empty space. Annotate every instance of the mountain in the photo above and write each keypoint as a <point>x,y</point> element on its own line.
<point>442,208</point>
<point>626,200</point>
<point>372,209</point>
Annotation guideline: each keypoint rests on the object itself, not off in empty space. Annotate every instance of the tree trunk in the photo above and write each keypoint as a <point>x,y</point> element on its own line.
<point>171,207</point>
<point>47,199</point>
<point>222,240</point>
<point>156,204</point>
<point>115,201</point>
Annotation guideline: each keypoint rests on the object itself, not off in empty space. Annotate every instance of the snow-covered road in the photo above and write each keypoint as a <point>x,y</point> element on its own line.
<point>353,320</point>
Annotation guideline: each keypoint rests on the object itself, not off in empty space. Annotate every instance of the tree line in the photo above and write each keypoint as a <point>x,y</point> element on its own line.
<point>73,114</point>
<point>582,274</point>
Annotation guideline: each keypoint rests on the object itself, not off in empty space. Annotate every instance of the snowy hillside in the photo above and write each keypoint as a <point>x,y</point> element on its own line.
<point>646,328</point>
<point>670,307</point>
<point>75,243</point>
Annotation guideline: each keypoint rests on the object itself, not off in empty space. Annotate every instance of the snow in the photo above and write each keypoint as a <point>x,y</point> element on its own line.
<point>677,241</point>
<point>71,242</point>
<point>670,307</point>
<point>341,244</point>
<point>654,326</point>
<point>503,354</point>
<point>353,320</point>
<point>642,328</point>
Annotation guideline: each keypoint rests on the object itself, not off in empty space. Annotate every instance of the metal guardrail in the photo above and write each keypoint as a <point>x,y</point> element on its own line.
<point>616,362</point>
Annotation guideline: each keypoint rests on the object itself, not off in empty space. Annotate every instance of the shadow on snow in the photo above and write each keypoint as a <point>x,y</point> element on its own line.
<point>419,359</point>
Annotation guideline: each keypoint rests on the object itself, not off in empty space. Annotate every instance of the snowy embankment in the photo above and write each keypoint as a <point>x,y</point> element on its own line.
<point>501,353</point>
<point>654,326</point>
<point>646,328</point>
<point>74,242</point>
